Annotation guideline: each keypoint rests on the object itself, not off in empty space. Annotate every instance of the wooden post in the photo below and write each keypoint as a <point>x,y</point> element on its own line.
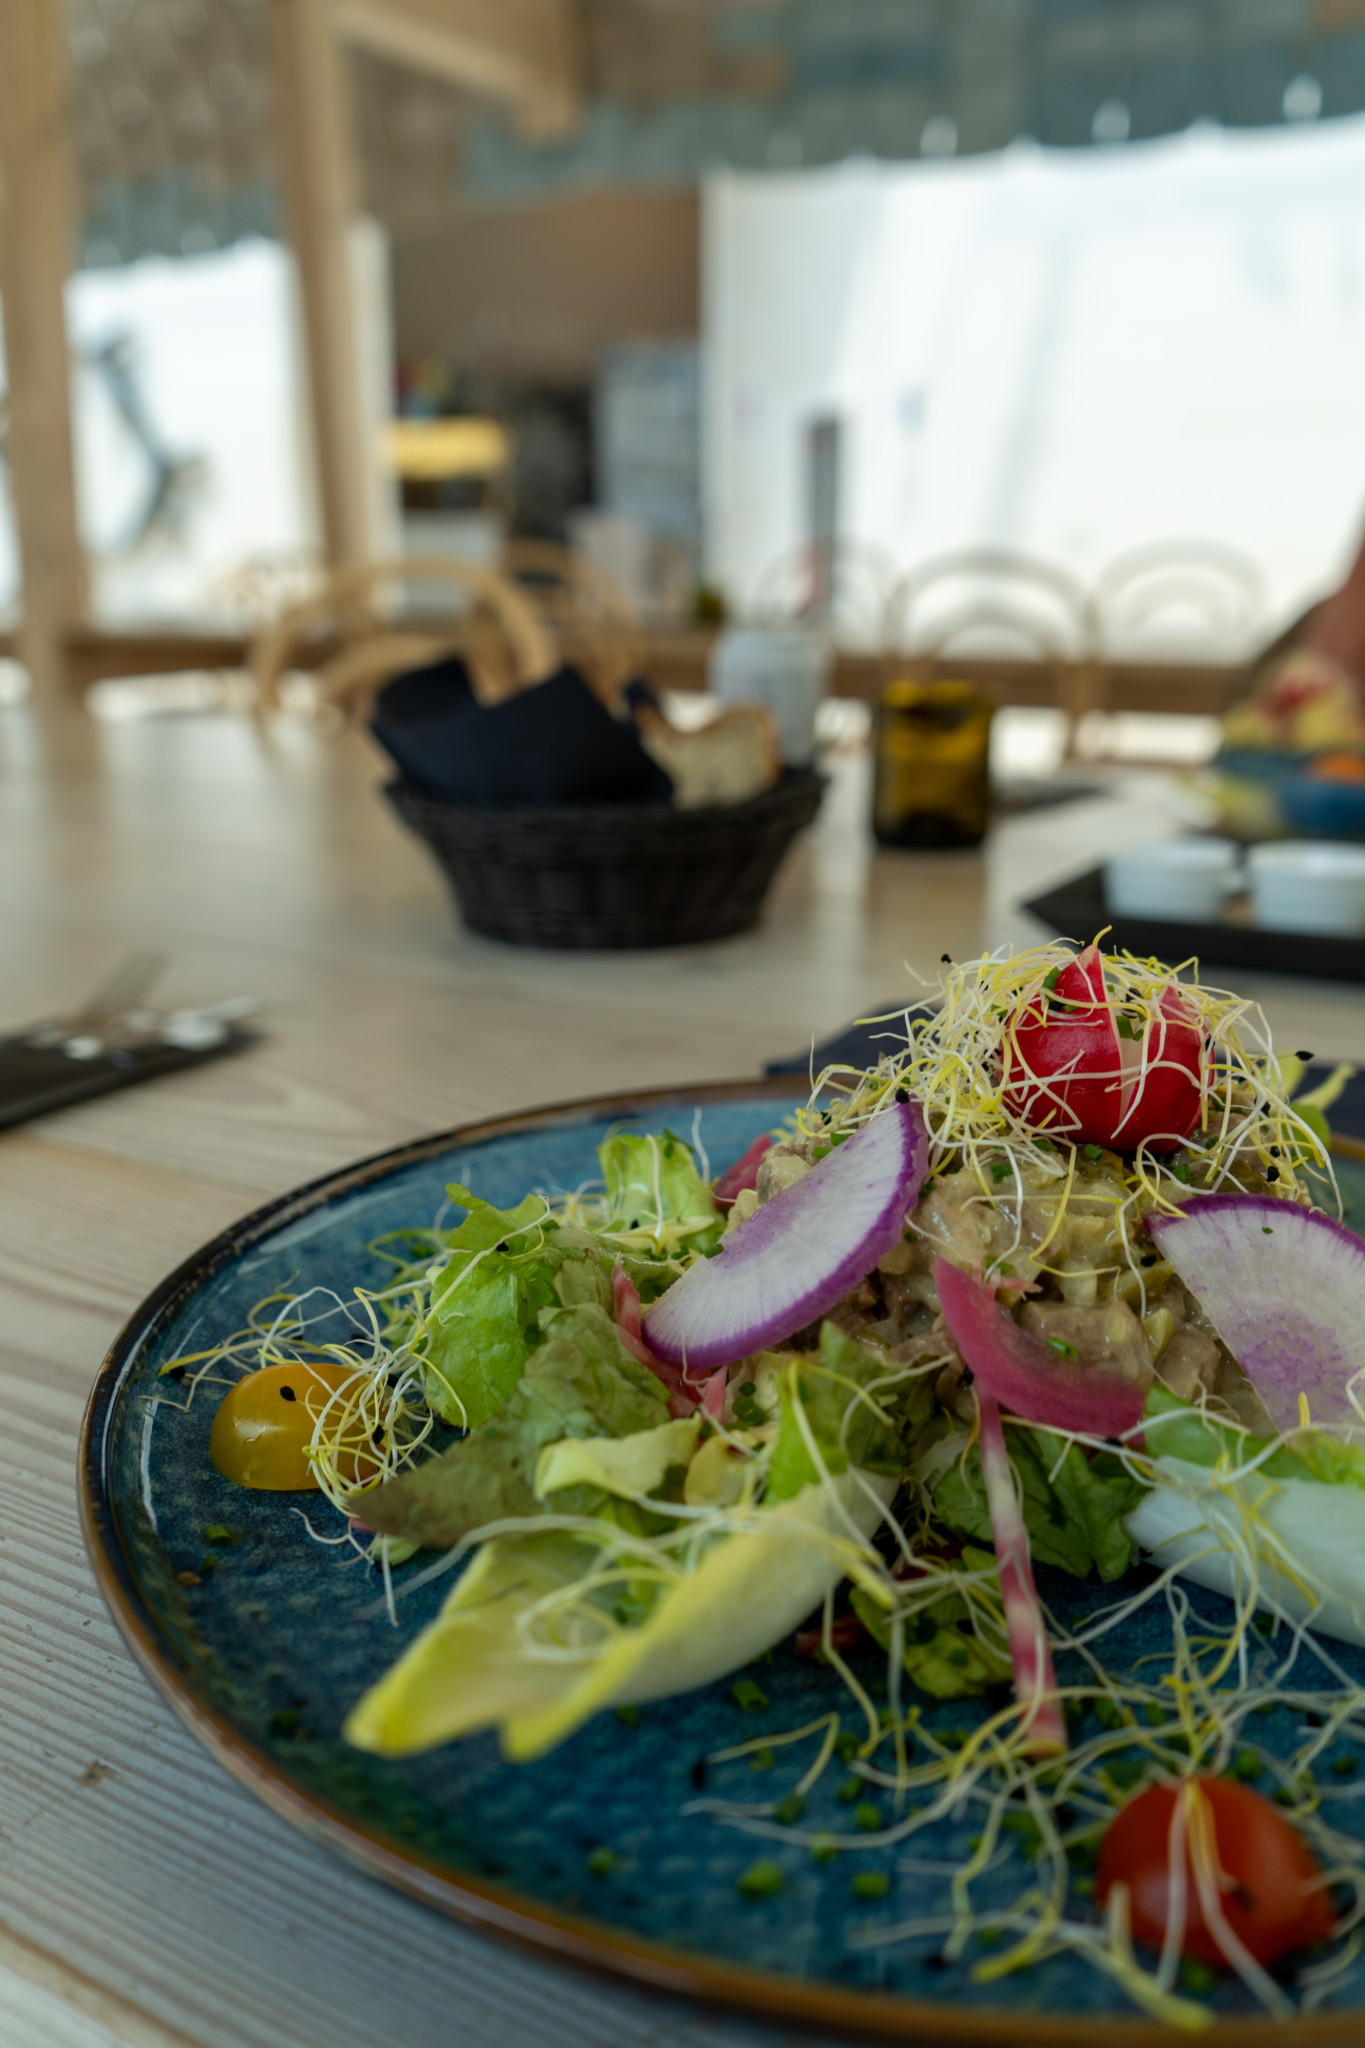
<point>317,161</point>
<point>36,247</point>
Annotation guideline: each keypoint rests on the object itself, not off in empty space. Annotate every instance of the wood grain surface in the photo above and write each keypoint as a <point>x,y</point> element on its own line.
<point>144,1897</point>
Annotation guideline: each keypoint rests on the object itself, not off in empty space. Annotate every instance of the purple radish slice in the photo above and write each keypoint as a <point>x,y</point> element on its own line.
<point>1026,1375</point>
<point>800,1253</point>
<point>1042,1725</point>
<point>1284,1287</point>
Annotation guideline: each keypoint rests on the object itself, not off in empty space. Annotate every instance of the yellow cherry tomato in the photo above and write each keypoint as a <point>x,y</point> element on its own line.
<point>264,1427</point>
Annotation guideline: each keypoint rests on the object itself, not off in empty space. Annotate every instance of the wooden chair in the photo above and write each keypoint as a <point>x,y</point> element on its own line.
<point>1030,600</point>
<point>1222,589</point>
<point>351,631</point>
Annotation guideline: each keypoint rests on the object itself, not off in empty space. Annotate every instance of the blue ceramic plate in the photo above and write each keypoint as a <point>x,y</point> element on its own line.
<point>263,1654</point>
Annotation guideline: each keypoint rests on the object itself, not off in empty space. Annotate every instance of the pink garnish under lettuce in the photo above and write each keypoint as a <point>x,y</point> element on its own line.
<point>800,1253</point>
<point>682,1398</point>
<point>743,1174</point>
<point>1284,1287</point>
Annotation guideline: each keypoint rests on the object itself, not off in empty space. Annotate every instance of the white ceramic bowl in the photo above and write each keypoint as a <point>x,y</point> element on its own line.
<point>1309,886</point>
<point>1188,879</point>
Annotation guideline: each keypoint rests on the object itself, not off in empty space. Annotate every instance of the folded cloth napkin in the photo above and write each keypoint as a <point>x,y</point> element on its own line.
<point>553,744</point>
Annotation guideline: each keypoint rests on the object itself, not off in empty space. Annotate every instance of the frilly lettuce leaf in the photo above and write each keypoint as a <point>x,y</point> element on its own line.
<point>654,1183</point>
<point>1175,1429</point>
<point>826,1398</point>
<point>506,1266</point>
<point>579,1382</point>
<point>1072,1504</point>
<point>473,1666</point>
<point>946,1652</point>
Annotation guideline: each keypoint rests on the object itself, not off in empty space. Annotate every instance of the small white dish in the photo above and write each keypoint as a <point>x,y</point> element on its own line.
<point>1309,886</point>
<point>1178,878</point>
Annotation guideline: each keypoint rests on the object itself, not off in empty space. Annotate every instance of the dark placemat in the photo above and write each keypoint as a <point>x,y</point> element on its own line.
<point>1077,910</point>
<point>35,1079</point>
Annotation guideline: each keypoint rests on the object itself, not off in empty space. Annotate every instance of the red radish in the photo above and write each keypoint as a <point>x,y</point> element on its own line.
<point>800,1253</point>
<point>1069,1072</point>
<point>743,1174</point>
<point>1283,1287</point>
<point>1043,1724</point>
<point>713,1393</point>
<point>1030,1377</point>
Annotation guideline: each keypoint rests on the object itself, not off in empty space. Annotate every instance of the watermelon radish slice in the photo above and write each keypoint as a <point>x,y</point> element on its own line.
<point>798,1254</point>
<point>1284,1287</point>
<point>1024,1374</point>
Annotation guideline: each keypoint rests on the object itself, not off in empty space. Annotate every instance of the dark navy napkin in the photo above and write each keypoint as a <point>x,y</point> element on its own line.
<point>554,744</point>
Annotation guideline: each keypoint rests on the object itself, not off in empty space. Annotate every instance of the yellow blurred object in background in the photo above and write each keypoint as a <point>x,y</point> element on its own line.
<point>429,451</point>
<point>932,770</point>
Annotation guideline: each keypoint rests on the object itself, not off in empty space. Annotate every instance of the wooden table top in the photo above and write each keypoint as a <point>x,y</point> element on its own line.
<point>144,1897</point>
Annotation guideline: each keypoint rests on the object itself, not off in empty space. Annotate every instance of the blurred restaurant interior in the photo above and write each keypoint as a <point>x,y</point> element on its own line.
<point>553,547</point>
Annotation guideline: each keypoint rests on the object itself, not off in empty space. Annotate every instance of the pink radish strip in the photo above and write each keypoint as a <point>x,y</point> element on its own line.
<point>800,1253</point>
<point>1283,1286</point>
<point>1043,1726</point>
<point>743,1174</point>
<point>1026,1374</point>
<point>682,1399</point>
<point>713,1393</point>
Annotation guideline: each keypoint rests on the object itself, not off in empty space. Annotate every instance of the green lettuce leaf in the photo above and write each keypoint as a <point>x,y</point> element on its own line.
<point>1175,1429</point>
<point>942,1651</point>
<point>827,1393</point>
<point>654,1182</point>
<point>579,1382</point>
<point>1072,1505</point>
<point>744,1592</point>
<point>622,1465</point>
<point>506,1267</point>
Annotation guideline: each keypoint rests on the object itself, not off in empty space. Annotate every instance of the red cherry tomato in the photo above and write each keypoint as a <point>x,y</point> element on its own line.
<point>1068,1070</point>
<point>1269,1883</point>
<point>264,1426</point>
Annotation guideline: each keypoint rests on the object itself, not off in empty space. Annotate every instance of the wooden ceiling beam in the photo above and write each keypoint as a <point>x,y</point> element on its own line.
<point>522,52</point>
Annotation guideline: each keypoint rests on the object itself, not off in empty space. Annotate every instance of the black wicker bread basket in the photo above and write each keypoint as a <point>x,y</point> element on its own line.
<point>613,875</point>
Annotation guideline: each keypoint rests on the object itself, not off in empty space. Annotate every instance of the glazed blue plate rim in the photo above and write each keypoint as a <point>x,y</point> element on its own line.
<point>486,1905</point>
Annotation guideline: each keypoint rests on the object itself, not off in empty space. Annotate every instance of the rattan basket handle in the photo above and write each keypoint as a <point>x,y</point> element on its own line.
<point>347,602</point>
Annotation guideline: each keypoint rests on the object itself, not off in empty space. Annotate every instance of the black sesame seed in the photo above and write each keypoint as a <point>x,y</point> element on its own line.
<point>967,1376</point>
<point>902,1095</point>
<point>946,958</point>
<point>698,1773</point>
<point>288,1394</point>
<point>1272,1173</point>
<point>1305,1055</point>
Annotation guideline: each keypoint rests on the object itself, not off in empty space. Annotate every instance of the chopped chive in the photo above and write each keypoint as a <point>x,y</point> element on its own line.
<point>286,1722</point>
<point>824,1849</point>
<point>762,1759</point>
<point>1246,1765</point>
<point>216,1533</point>
<point>748,1695</point>
<point>1196,1977</point>
<point>851,1789</point>
<point>761,1880</point>
<point>1000,1171</point>
<point>1343,1766</point>
<point>630,1716</point>
<point>867,1818</point>
<point>789,1810</point>
<point>602,1862</point>
<point>1051,979</point>
<point>1092,1152</point>
<point>870,1884</point>
<point>1062,1348</point>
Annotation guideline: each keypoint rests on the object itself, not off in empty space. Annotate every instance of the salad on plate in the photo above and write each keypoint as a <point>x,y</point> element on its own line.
<point>1059,1282</point>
